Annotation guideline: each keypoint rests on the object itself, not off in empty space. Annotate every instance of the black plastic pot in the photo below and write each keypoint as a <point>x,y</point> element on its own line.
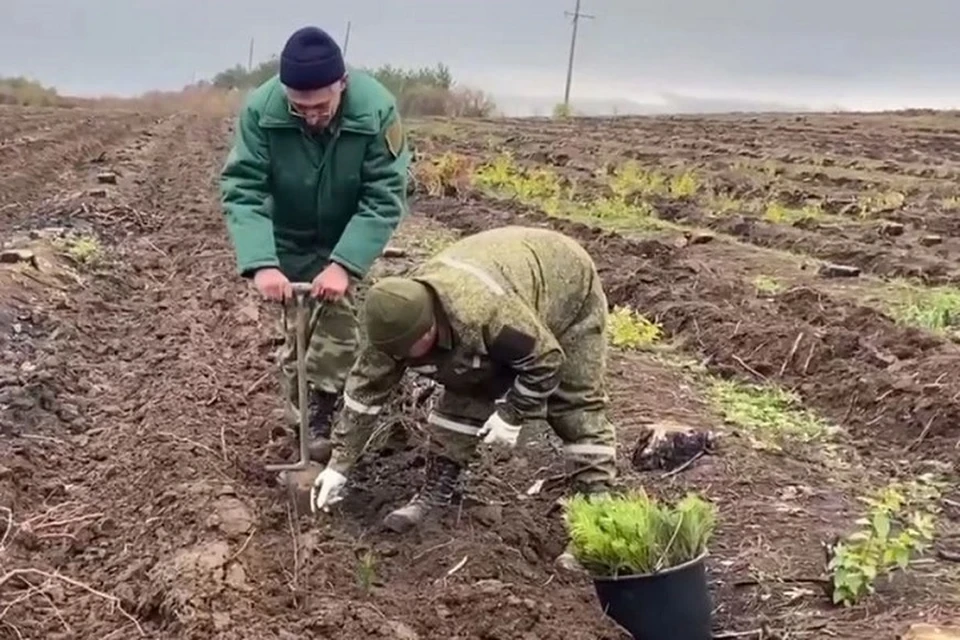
<point>673,604</point>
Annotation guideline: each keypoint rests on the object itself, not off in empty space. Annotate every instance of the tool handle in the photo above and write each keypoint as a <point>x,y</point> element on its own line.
<point>301,287</point>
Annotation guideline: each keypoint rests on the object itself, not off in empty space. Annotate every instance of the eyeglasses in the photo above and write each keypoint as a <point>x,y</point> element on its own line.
<point>303,112</point>
<point>321,109</point>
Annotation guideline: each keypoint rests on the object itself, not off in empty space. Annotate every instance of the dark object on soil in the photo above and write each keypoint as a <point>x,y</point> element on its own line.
<point>698,238</point>
<point>668,446</point>
<point>839,271</point>
<point>97,193</point>
<point>107,177</point>
<point>12,256</point>
<point>671,605</point>
<point>929,241</point>
<point>891,229</point>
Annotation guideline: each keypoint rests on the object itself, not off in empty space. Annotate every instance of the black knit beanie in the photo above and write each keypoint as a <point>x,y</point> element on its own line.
<point>310,60</point>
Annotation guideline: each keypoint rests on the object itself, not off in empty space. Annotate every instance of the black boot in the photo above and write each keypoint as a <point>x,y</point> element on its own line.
<point>442,476</point>
<point>321,409</point>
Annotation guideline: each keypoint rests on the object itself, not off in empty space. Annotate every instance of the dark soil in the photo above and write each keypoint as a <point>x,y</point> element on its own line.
<point>138,403</point>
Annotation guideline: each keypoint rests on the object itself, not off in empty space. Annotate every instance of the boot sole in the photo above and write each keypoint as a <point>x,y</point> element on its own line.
<point>398,524</point>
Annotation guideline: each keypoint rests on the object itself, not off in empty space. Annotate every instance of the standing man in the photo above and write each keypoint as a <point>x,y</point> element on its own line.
<point>312,190</point>
<point>512,322</point>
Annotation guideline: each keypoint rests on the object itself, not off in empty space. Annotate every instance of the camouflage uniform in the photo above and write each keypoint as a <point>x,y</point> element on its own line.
<point>333,339</point>
<point>521,318</point>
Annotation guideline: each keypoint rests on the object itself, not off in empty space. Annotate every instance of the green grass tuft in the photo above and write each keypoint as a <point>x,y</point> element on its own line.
<point>771,416</point>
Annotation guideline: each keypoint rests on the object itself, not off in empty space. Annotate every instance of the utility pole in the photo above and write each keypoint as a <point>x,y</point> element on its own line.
<point>346,40</point>
<point>250,57</point>
<point>573,46</point>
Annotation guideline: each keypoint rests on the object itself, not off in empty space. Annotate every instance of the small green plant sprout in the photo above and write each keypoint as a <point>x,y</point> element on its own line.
<point>366,570</point>
<point>950,203</point>
<point>82,249</point>
<point>617,214</point>
<point>767,285</point>
<point>781,214</point>
<point>936,309</point>
<point>505,177</point>
<point>634,534</point>
<point>898,525</point>
<point>631,179</point>
<point>723,204</point>
<point>629,329</point>
<point>770,416</point>
<point>684,185</point>
<point>877,203</point>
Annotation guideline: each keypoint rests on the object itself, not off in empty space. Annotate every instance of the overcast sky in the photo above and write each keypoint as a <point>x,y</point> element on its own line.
<point>851,53</point>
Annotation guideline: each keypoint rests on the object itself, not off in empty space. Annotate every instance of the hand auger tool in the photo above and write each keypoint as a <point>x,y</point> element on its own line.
<point>301,291</point>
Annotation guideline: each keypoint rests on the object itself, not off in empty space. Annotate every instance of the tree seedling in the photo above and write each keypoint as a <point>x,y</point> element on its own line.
<point>634,534</point>
<point>898,525</point>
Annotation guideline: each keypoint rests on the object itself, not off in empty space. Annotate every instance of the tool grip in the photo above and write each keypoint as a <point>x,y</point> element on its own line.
<point>301,287</point>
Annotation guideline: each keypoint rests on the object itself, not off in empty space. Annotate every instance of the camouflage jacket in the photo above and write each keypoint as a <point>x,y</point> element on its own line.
<point>503,298</point>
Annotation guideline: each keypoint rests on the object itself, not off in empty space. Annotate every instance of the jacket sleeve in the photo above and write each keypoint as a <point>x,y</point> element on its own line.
<point>382,201</point>
<point>516,338</point>
<point>245,196</point>
<point>370,383</point>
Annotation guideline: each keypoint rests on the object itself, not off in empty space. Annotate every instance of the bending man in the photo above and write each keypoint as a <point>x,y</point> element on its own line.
<point>512,323</point>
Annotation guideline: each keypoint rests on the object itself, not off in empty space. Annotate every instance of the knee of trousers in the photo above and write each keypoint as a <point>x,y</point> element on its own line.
<point>589,439</point>
<point>583,427</point>
<point>454,438</point>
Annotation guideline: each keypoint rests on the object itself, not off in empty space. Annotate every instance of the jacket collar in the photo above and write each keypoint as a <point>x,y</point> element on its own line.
<point>353,117</point>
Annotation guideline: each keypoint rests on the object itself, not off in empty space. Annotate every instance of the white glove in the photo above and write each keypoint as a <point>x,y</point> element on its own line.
<point>326,489</point>
<point>496,430</point>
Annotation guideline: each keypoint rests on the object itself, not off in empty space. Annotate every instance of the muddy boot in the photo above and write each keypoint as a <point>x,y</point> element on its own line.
<point>321,409</point>
<point>442,475</point>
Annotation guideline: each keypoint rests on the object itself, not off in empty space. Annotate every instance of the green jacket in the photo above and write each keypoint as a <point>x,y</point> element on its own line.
<point>506,299</point>
<point>296,201</point>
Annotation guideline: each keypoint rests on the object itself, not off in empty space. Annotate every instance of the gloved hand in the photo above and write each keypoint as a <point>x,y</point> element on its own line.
<point>326,489</point>
<point>496,430</point>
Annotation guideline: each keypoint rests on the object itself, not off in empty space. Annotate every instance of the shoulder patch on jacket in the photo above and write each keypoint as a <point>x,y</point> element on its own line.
<point>510,344</point>
<point>394,136</point>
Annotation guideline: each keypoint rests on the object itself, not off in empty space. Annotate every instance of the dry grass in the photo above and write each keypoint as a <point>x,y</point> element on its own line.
<point>205,100</point>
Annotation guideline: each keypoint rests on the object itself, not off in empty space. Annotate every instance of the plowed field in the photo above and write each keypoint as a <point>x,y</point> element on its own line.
<point>138,398</point>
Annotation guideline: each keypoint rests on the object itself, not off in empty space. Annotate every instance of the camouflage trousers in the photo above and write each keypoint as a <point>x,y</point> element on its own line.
<point>576,411</point>
<point>333,341</point>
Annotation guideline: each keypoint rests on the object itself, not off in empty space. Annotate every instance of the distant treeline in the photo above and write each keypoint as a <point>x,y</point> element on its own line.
<point>26,92</point>
<point>428,91</point>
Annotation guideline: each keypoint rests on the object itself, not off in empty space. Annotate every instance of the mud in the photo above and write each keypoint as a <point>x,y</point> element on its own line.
<point>139,401</point>
<point>139,405</point>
